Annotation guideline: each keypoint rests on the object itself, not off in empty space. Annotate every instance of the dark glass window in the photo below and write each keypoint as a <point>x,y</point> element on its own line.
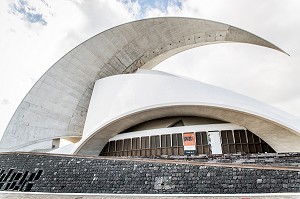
<point>127,144</point>
<point>243,136</point>
<point>224,137</point>
<point>154,141</point>
<point>165,140</point>
<point>119,145</point>
<point>174,140</point>
<point>204,138</point>
<point>250,137</point>
<point>179,138</point>
<point>202,145</point>
<point>106,148</point>
<point>145,142</point>
<point>237,138</point>
<point>112,146</point>
<point>136,143</point>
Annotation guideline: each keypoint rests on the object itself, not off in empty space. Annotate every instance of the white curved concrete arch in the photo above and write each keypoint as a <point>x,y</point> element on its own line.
<point>122,101</point>
<point>56,106</point>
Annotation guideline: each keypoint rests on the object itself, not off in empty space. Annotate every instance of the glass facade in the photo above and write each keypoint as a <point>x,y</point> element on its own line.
<point>232,142</point>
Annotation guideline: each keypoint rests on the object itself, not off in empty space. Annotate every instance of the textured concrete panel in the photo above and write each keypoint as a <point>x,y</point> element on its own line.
<point>122,49</point>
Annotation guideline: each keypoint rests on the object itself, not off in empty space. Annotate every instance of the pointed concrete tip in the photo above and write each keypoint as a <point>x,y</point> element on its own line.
<point>242,36</point>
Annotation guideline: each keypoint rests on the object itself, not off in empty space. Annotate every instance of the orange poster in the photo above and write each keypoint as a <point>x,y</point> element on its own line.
<point>189,139</point>
<point>189,143</point>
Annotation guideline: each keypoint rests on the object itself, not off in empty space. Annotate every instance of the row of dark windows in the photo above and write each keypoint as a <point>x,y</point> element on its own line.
<point>237,141</point>
<point>240,141</point>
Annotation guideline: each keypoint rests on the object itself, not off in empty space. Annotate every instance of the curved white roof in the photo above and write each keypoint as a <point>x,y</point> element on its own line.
<point>120,97</point>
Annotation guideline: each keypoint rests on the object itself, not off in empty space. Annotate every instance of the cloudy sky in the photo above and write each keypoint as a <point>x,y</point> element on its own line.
<point>35,34</point>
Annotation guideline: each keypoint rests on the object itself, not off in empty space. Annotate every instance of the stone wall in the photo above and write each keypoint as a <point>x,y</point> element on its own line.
<point>71,174</point>
<point>272,159</point>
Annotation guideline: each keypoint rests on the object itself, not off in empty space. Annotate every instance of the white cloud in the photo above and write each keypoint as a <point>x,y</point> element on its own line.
<point>33,13</point>
<point>4,102</point>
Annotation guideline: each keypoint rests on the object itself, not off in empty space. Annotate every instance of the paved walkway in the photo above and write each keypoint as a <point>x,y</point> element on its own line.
<point>17,195</point>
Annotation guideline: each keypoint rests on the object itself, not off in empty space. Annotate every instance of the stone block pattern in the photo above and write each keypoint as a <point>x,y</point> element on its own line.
<point>271,159</point>
<point>71,174</point>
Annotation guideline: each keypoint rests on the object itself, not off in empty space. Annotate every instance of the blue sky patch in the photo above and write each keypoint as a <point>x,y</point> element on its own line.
<point>27,12</point>
<point>162,5</point>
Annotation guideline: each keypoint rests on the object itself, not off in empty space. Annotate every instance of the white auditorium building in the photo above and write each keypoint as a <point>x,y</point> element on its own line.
<point>104,98</point>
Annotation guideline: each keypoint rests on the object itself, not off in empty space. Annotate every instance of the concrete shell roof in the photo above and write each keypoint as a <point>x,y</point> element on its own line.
<point>148,95</point>
<point>57,104</point>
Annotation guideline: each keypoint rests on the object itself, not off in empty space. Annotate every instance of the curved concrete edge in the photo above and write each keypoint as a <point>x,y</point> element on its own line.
<point>279,138</point>
<point>57,104</point>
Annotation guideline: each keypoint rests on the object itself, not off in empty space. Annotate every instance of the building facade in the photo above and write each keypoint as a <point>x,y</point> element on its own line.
<point>99,97</point>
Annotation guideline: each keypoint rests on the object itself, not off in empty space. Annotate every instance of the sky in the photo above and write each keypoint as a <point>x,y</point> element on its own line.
<point>35,34</point>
